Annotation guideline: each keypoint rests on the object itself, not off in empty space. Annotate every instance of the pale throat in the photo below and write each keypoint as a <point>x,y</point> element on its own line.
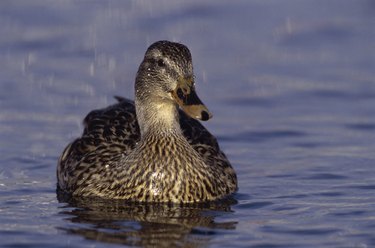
<point>158,116</point>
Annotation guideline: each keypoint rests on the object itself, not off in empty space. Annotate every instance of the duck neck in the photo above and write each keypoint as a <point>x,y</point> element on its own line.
<point>157,116</point>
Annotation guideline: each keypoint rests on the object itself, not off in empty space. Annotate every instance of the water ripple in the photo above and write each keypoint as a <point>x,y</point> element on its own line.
<point>261,136</point>
<point>325,176</point>
<point>254,205</point>
<point>301,230</point>
<point>361,126</point>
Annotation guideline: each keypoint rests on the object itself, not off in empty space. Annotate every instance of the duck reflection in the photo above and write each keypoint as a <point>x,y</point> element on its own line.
<point>145,225</point>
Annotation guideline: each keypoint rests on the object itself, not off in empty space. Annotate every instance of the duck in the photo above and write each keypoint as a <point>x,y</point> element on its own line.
<point>153,149</point>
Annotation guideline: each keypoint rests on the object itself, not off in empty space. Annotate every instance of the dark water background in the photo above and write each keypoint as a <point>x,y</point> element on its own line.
<point>292,88</point>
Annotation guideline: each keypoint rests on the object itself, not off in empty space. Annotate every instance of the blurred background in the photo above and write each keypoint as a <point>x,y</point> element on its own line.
<point>291,85</point>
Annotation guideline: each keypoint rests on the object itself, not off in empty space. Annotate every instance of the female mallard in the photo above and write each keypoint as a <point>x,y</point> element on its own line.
<point>150,151</point>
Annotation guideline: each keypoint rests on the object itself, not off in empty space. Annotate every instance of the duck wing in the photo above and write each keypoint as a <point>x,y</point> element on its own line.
<point>114,125</point>
<point>203,142</point>
<point>108,134</point>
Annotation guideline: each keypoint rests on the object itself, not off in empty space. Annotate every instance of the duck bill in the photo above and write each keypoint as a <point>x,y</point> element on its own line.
<point>188,100</point>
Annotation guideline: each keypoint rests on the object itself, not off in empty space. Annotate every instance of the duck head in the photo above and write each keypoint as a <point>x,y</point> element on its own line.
<point>166,76</point>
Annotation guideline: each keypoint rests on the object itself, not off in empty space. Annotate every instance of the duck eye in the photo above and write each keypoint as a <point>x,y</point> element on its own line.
<point>161,63</point>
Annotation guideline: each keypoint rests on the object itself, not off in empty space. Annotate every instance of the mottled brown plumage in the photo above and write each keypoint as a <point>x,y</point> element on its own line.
<point>150,151</point>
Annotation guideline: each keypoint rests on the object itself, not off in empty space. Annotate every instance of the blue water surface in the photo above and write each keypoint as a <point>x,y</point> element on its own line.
<point>291,85</point>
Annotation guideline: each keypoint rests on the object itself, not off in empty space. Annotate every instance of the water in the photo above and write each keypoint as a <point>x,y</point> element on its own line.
<point>292,88</point>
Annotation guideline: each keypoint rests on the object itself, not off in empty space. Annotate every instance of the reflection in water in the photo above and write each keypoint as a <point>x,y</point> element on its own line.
<point>146,225</point>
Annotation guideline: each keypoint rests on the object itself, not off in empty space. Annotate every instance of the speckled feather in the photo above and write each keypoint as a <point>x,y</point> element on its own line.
<point>112,160</point>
